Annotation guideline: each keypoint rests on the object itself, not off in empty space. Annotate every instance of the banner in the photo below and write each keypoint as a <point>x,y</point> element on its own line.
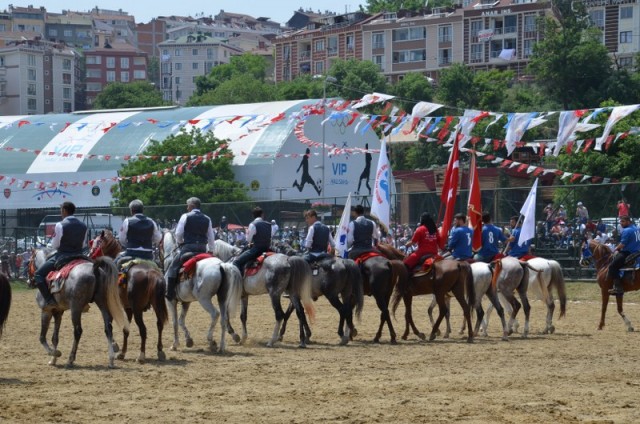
<point>343,229</point>
<point>474,205</point>
<point>381,202</point>
<point>529,211</point>
<point>450,191</point>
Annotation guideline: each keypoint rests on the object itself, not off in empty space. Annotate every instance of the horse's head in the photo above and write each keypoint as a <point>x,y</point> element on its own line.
<point>601,253</point>
<point>390,252</point>
<point>105,244</point>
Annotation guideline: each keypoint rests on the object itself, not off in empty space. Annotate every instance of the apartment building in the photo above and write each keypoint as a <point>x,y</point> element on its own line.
<point>151,34</point>
<point>313,51</point>
<point>619,21</point>
<point>185,59</point>
<point>73,29</point>
<point>30,19</point>
<point>37,77</point>
<point>119,62</point>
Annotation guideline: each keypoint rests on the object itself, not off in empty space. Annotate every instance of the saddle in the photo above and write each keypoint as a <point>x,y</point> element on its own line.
<point>366,256</point>
<point>631,264</point>
<point>252,268</point>
<point>55,279</point>
<point>126,262</point>
<point>427,266</point>
<point>319,262</point>
<point>189,261</point>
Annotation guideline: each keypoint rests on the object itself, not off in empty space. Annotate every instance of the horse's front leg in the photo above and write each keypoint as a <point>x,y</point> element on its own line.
<point>243,318</point>
<point>45,320</point>
<point>125,338</point>
<point>627,322</point>
<point>182,322</point>
<point>172,307</point>
<point>287,314</point>
<point>76,321</point>
<point>605,301</point>
<point>279,314</point>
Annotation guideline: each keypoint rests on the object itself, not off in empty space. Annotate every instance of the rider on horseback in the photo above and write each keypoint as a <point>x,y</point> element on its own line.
<point>258,237</point>
<point>68,240</point>
<point>318,238</point>
<point>491,236</point>
<point>426,237</point>
<point>138,233</point>
<point>193,232</point>
<point>460,239</point>
<point>515,248</point>
<point>629,243</point>
<point>361,234</point>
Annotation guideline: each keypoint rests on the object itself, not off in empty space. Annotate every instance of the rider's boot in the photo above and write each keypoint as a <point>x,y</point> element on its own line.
<point>170,294</point>
<point>49,301</point>
<point>618,289</point>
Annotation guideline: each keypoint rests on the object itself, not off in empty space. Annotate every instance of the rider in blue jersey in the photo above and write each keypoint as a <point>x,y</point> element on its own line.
<point>515,249</point>
<point>629,243</point>
<point>491,237</point>
<point>460,239</point>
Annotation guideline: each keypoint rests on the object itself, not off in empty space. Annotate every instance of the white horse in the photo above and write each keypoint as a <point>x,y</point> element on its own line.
<point>541,283</point>
<point>279,273</point>
<point>212,277</point>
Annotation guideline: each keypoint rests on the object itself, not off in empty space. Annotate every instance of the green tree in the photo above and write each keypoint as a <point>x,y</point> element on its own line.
<point>455,86</point>
<point>355,78</point>
<point>303,87</point>
<point>412,88</point>
<point>211,181</point>
<point>133,94</point>
<point>375,6</point>
<point>242,88</point>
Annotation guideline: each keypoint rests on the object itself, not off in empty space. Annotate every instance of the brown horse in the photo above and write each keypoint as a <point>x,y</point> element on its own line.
<point>631,281</point>
<point>5,300</point>
<point>447,276</point>
<point>144,289</point>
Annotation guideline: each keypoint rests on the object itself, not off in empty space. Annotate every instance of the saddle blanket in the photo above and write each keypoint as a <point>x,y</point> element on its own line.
<point>189,267</point>
<point>253,268</point>
<point>56,279</point>
<point>366,256</point>
<point>628,267</point>
<point>427,265</point>
<point>126,266</point>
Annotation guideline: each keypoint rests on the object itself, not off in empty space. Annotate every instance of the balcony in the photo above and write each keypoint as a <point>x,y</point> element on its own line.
<point>305,56</point>
<point>476,57</point>
<point>444,61</point>
<point>379,45</point>
<point>444,38</point>
<point>332,51</point>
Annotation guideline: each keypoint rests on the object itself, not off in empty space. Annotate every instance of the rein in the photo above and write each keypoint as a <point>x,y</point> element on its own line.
<point>604,258</point>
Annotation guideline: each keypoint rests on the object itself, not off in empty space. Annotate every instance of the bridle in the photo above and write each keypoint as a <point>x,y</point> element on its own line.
<point>603,260</point>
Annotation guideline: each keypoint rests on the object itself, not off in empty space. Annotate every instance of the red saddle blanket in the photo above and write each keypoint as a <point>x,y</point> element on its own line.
<point>255,266</point>
<point>189,267</point>
<point>366,256</point>
<point>428,264</point>
<point>526,257</point>
<point>64,272</point>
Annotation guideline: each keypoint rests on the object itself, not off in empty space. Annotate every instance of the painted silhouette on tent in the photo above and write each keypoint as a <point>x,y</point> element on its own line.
<point>365,175</point>
<point>306,177</point>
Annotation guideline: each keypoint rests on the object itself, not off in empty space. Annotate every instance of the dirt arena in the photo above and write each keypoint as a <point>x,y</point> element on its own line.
<point>577,374</point>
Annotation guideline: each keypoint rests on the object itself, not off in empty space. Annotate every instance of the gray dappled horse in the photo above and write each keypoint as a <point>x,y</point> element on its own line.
<point>5,300</point>
<point>336,279</point>
<point>212,277</point>
<point>88,282</point>
<point>279,273</point>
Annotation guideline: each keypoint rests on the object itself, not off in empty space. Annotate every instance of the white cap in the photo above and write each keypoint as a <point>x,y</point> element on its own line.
<point>579,203</point>
<point>273,221</point>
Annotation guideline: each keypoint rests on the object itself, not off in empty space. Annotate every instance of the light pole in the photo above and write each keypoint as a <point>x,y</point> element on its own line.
<point>326,79</point>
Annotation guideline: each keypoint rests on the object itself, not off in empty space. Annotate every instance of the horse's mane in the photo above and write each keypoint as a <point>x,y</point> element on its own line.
<point>109,245</point>
<point>601,254</point>
<point>390,252</point>
<point>225,250</point>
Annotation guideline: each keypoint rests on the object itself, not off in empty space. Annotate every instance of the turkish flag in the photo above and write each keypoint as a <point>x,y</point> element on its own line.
<point>474,206</point>
<point>450,191</point>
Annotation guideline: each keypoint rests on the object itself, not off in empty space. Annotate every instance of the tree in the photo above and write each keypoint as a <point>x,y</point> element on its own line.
<point>375,6</point>
<point>211,181</point>
<point>412,88</point>
<point>133,94</point>
<point>461,87</point>
<point>355,78</point>
<point>242,88</point>
<point>303,87</point>
<point>571,62</point>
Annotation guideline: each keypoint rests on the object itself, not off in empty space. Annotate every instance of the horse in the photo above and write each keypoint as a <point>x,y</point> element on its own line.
<point>5,300</point>
<point>602,256</point>
<point>212,277</point>
<point>544,275</point>
<point>446,276</point>
<point>87,282</point>
<point>144,288</point>
<point>278,273</point>
<point>336,278</point>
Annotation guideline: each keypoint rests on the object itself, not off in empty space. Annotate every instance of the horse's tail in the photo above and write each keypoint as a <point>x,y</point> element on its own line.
<point>467,275</point>
<point>400,281</point>
<point>300,283</point>
<point>157,290</point>
<point>497,270</point>
<point>357,291</point>
<point>557,279</point>
<point>233,279</point>
<point>106,275</point>
<point>5,300</point>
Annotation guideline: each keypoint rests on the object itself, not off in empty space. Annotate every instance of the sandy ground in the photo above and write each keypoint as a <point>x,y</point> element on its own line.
<point>577,374</point>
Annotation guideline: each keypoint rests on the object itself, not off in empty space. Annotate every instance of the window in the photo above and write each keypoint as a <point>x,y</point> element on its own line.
<point>165,52</point>
<point>377,40</point>
<point>400,34</point>
<point>625,37</point>
<point>379,61</point>
<point>124,76</point>
<point>195,66</point>
<point>138,61</point>
<point>477,51</point>
<point>166,68</point>
<point>1,60</point>
<point>210,52</point>
<point>66,78</point>
<point>444,57</point>
<point>597,18</point>
<point>32,104</point>
<point>626,12</point>
<point>405,56</point>
<point>66,93</point>
<point>177,52</point>
<point>31,60</point>
<point>625,62</point>
<point>178,66</point>
<point>111,62</point>
<point>194,52</point>
<point>31,89</point>
<point>476,27</point>
<point>111,76</point>
<point>124,62</point>
<point>510,24</point>
<point>208,66</point>
<point>139,74</point>
<point>350,41</point>
<point>66,64</point>
<point>94,60</point>
<point>68,33</point>
<point>53,32</point>
<point>332,46</point>
<point>444,34</point>
<point>318,67</point>
<point>319,45</point>
<point>31,74</point>
<point>404,34</point>
<point>66,107</point>
<point>94,73</point>
<point>178,80</point>
<point>527,48</point>
<point>530,23</point>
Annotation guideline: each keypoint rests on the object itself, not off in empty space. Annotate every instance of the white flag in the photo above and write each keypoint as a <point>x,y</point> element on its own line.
<point>528,230</point>
<point>617,114</point>
<point>381,202</point>
<point>343,229</point>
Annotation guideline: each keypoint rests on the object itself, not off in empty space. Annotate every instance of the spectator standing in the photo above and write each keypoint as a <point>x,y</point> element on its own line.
<point>624,209</point>
<point>550,216</point>
<point>582,213</point>
<point>562,214</point>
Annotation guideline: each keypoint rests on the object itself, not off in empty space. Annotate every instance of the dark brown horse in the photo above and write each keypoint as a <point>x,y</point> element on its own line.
<point>631,281</point>
<point>5,300</point>
<point>447,276</point>
<point>144,289</point>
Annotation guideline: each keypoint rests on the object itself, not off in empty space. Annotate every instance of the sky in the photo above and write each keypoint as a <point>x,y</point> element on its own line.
<point>144,10</point>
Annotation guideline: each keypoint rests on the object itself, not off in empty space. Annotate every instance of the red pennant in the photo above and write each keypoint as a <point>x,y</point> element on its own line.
<point>496,144</point>
<point>541,149</point>
<point>21,123</point>
<point>111,125</point>
<point>587,145</point>
<point>575,177</point>
<point>523,167</point>
<point>153,121</point>
<point>539,170</point>
<point>569,147</point>
<point>506,163</point>
<point>596,179</point>
<point>234,119</point>
<point>280,117</point>
<point>66,125</point>
<point>193,121</point>
<point>608,143</point>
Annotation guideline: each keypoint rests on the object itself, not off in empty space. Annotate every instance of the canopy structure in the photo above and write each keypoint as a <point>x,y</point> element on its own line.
<point>46,159</point>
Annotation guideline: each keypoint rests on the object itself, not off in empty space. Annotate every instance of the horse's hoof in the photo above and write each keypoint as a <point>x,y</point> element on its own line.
<point>52,362</point>
<point>56,353</point>
<point>269,344</point>
<point>236,338</point>
<point>280,338</point>
<point>376,340</point>
<point>189,342</point>
<point>630,330</point>
<point>344,341</point>
<point>173,348</point>
<point>432,337</point>
<point>469,339</point>
<point>69,365</point>
<point>307,340</point>
<point>438,333</point>
<point>302,345</point>
<point>510,331</point>
<point>552,329</point>
<point>111,366</point>
<point>213,347</point>
<point>505,338</point>
<point>446,336</point>
<point>525,335</point>
<point>394,342</point>
<point>421,336</point>
<point>354,333</point>
<point>120,356</point>
<point>162,356</point>
<point>116,348</point>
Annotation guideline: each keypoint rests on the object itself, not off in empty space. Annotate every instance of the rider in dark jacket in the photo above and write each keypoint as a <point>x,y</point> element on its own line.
<point>258,237</point>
